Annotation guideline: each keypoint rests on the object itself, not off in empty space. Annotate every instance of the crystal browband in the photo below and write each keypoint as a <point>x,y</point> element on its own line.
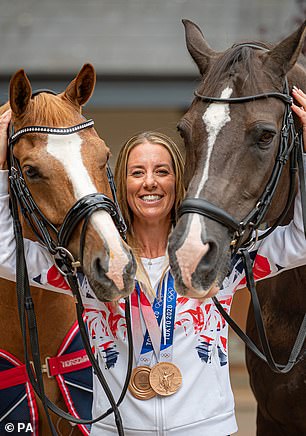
<point>52,130</point>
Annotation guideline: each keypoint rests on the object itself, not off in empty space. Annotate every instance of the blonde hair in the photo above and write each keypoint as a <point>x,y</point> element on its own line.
<point>121,177</point>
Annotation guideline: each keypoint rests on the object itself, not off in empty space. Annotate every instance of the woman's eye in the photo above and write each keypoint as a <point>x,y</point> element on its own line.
<point>163,172</point>
<point>137,173</point>
<point>31,172</point>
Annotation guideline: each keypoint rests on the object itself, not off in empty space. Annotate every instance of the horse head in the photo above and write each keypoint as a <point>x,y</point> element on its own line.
<point>232,143</point>
<point>61,167</point>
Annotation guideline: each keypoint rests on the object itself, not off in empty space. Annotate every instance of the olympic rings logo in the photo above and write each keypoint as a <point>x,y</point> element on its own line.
<point>171,294</point>
<point>159,304</point>
<point>166,355</point>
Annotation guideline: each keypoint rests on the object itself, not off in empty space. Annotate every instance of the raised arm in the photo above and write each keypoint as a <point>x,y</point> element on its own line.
<point>285,248</point>
<point>5,119</point>
<point>300,97</point>
<point>40,264</point>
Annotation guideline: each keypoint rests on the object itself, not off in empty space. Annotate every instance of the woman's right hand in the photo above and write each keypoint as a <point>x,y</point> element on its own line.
<point>300,97</point>
<point>5,119</point>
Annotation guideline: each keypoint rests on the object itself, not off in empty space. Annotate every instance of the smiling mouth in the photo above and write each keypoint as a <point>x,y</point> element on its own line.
<point>151,198</point>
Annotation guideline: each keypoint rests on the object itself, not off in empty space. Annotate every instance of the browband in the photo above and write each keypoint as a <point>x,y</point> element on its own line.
<point>52,130</point>
<point>286,98</point>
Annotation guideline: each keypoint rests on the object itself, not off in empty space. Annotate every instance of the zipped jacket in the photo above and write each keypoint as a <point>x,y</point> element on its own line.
<point>204,404</point>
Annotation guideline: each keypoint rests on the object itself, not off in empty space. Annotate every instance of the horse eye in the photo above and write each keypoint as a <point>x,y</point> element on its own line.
<point>266,137</point>
<point>184,130</point>
<point>180,131</point>
<point>104,161</point>
<point>181,127</point>
<point>31,172</point>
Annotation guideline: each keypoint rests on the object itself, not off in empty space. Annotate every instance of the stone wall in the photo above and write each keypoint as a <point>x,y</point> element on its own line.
<point>129,37</point>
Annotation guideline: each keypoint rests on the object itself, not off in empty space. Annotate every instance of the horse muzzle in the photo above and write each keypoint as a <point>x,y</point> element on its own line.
<point>198,261</point>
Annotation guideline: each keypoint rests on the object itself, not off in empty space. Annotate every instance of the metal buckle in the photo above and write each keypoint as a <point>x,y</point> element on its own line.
<point>74,264</point>
<point>45,368</point>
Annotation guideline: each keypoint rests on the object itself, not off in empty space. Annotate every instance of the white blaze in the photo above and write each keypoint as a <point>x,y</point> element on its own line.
<point>216,116</point>
<point>192,251</point>
<point>67,150</point>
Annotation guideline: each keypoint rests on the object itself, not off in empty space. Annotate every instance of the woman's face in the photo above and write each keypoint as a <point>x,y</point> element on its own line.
<point>150,182</point>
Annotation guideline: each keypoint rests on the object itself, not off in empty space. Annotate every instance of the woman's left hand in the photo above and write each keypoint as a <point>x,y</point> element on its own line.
<point>5,119</point>
<point>300,111</point>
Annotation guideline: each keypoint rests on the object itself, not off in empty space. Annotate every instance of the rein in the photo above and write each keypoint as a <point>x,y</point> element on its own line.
<point>290,148</point>
<point>45,232</point>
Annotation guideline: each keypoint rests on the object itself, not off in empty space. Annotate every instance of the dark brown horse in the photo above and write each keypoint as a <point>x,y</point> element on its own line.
<point>59,170</point>
<point>281,402</point>
<point>230,152</point>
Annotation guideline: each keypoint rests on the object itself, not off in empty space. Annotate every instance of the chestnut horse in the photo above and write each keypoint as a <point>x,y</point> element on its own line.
<point>59,170</point>
<point>231,151</point>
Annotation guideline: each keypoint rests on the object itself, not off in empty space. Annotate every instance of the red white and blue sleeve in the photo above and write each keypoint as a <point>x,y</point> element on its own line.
<point>41,269</point>
<point>283,249</point>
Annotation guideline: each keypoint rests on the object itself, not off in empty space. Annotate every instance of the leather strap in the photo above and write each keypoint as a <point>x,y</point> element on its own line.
<point>285,97</point>
<point>266,355</point>
<point>300,151</point>
<point>205,208</point>
<point>67,363</point>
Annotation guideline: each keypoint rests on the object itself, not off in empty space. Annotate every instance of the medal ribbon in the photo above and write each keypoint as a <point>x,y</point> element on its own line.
<point>166,348</point>
<point>156,339</point>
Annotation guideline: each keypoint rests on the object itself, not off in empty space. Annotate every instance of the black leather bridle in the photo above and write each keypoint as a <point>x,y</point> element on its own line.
<point>290,142</point>
<point>85,206</point>
<point>290,148</point>
<point>56,240</point>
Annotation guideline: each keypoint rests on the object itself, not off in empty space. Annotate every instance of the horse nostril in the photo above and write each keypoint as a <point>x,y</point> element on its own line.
<point>130,268</point>
<point>100,271</point>
<point>209,259</point>
<point>98,267</point>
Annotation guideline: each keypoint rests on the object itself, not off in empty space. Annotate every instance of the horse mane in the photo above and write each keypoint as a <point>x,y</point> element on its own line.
<point>50,110</point>
<point>225,66</point>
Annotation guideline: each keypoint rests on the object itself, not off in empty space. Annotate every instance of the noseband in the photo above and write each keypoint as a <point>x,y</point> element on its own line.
<point>290,146</point>
<point>81,210</point>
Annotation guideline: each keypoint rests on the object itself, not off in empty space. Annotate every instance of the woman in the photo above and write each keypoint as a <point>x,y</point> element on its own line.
<point>180,382</point>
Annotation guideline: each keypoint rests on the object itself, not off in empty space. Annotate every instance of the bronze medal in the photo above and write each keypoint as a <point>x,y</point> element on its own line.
<point>165,378</point>
<point>139,384</point>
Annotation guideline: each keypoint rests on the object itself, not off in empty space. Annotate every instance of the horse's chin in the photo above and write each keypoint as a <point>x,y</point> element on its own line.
<point>205,282</point>
<point>110,293</point>
<point>198,292</point>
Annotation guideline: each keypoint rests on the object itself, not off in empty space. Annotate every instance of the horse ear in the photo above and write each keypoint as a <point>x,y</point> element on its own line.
<point>285,54</point>
<point>81,88</point>
<point>197,46</point>
<point>20,92</point>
